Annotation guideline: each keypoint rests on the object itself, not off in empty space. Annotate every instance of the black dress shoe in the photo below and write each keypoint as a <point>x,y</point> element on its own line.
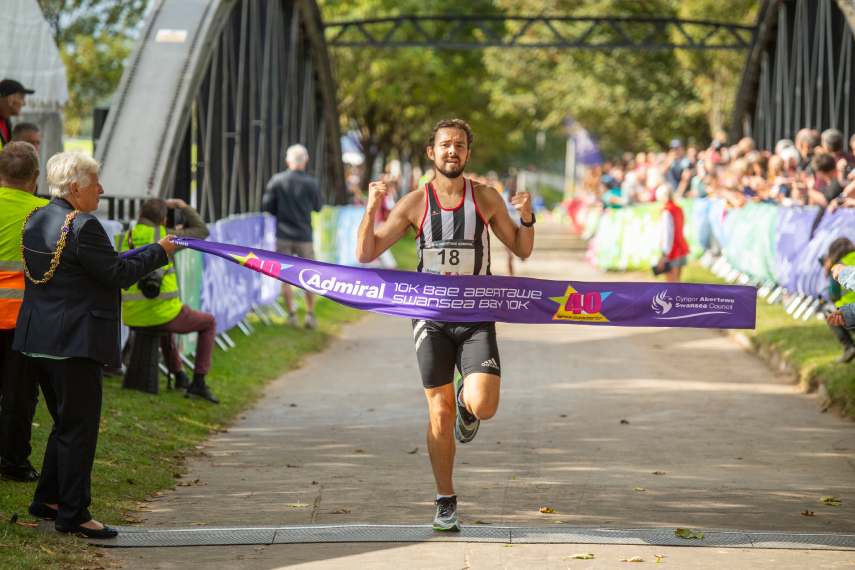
<point>42,511</point>
<point>105,532</point>
<point>24,473</point>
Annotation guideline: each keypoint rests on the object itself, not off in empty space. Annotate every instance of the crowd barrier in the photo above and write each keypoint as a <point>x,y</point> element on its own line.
<point>772,246</point>
<point>230,292</point>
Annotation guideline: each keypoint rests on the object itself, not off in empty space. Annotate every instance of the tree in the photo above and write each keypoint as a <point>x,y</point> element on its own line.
<point>95,39</point>
<point>392,97</point>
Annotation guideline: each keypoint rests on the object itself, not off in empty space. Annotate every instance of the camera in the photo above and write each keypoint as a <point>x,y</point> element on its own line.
<point>174,217</point>
<point>665,268</point>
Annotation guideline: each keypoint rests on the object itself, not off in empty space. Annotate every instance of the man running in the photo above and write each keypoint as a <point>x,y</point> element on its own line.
<point>451,215</point>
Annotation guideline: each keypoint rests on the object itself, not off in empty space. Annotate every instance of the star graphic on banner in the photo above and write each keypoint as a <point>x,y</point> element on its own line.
<point>266,266</point>
<point>563,313</point>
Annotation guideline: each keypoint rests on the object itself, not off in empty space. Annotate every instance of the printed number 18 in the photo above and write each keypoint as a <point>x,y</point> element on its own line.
<point>588,302</point>
<point>453,257</point>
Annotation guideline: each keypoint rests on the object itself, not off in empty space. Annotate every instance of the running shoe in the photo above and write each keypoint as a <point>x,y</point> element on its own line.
<point>446,515</point>
<point>292,320</point>
<point>466,425</point>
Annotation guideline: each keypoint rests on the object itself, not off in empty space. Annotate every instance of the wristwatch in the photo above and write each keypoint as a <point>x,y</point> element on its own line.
<point>528,224</point>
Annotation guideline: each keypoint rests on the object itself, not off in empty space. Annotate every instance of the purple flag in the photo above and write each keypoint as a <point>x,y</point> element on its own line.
<point>473,298</point>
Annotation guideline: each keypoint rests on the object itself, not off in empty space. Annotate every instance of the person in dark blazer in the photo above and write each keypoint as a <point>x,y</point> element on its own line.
<point>68,327</point>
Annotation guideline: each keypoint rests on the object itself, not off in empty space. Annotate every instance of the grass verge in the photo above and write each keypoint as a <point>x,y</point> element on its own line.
<point>807,347</point>
<point>143,438</point>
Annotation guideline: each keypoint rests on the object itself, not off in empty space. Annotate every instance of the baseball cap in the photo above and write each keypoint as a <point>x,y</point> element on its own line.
<point>10,87</point>
<point>676,143</point>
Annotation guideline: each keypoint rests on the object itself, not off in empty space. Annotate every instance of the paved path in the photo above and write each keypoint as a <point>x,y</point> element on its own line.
<point>711,439</point>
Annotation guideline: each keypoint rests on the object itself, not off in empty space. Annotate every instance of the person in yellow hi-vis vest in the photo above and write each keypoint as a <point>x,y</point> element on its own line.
<point>144,307</point>
<point>19,392</point>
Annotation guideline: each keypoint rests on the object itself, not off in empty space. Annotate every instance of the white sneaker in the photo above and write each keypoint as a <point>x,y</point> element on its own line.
<point>292,320</point>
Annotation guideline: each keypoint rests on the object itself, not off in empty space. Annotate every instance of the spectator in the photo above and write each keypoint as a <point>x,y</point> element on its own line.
<point>678,162</point>
<point>841,252</point>
<point>13,97</point>
<point>827,186</point>
<point>28,132</point>
<point>806,142</point>
<point>292,196</point>
<point>844,316</point>
<point>68,327</point>
<point>19,392</point>
<point>673,246</point>
<point>164,311</point>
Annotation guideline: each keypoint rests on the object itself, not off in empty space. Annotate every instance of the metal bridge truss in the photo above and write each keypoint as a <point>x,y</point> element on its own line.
<point>799,74</point>
<point>214,95</point>
<point>475,32</point>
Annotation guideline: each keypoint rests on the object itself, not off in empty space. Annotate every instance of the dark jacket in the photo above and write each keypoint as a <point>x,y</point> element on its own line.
<point>76,313</point>
<point>291,196</point>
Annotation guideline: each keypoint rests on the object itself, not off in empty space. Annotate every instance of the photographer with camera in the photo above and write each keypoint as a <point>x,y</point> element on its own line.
<point>841,254</point>
<point>154,302</point>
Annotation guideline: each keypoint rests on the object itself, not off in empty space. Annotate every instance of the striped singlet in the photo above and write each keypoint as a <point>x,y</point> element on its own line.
<point>453,241</point>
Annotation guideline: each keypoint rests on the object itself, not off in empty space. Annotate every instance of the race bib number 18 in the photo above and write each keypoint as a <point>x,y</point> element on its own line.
<point>449,261</point>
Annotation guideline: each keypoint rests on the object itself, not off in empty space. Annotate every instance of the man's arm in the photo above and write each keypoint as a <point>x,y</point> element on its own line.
<point>318,200</point>
<point>101,261</point>
<point>193,225</point>
<point>519,238</point>
<point>268,200</point>
<point>371,241</point>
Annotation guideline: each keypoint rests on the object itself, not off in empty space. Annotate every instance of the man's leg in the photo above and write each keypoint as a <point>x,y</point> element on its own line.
<point>187,321</point>
<point>19,395</point>
<point>440,436</point>
<point>481,394</point>
<point>169,348</point>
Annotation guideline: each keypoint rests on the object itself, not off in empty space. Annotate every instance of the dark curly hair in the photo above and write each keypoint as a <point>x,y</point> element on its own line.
<point>451,124</point>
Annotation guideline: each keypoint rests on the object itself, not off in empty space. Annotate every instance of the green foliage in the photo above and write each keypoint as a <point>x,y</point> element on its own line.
<point>94,66</point>
<point>95,38</point>
<point>630,100</point>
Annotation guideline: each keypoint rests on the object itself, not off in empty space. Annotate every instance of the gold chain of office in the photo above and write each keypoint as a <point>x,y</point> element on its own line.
<point>57,254</point>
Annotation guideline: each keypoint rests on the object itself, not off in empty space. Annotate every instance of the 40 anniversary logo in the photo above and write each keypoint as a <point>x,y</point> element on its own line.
<point>576,306</point>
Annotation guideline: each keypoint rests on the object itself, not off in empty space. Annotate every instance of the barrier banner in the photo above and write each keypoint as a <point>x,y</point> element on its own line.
<point>751,240</point>
<point>474,298</point>
<point>794,228</point>
<point>812,278</point>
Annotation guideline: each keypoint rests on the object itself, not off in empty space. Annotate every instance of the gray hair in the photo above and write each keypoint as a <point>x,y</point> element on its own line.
<point>296,155</point>
<point>67,168</point>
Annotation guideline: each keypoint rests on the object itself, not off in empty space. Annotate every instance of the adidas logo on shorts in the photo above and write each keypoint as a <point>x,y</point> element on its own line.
<point>491,363</point>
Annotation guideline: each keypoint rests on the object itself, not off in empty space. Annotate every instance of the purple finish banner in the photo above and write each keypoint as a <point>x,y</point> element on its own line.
<point>468,298</point>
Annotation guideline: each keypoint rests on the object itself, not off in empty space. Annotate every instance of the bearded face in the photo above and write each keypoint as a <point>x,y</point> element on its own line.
<point>450,152</point>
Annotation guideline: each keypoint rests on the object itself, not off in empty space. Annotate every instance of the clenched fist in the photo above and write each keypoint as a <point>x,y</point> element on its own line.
<point>522,202</point>
<point>376,195</point>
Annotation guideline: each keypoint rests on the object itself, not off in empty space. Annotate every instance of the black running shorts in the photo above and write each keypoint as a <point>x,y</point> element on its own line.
<point>441,346</point>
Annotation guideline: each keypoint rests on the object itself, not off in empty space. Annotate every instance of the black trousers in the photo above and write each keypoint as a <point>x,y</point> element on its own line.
<point>72,391</point>
<point>19,394</point>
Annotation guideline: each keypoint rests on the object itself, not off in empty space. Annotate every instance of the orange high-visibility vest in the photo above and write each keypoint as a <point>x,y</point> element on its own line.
<point>15,205</point>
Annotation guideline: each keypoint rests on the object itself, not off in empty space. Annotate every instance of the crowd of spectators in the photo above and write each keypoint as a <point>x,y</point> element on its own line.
<point>813,169</point>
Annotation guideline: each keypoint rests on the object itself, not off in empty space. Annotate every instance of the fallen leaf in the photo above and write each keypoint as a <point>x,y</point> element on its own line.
<point>547,510</point>
<point>48,550</point>
<point>562,416</point>
<point>831,501</point>
<point>314,482</point>
<point>625,422</point>
<point>633,559</point>
<point>341,512</point>
<point>689,534</point>
<point>414,451</point>
<point>807,513</point>
<point>640,489</point>
<point>359,451</point>
<point>293,405</point>
<point>297,505</point>
<point>659,473</point>
<point>583,556</point>
<point>659,558</point>
<point>292,466</point>
<point>27,524</point>
<point>481,522</point>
